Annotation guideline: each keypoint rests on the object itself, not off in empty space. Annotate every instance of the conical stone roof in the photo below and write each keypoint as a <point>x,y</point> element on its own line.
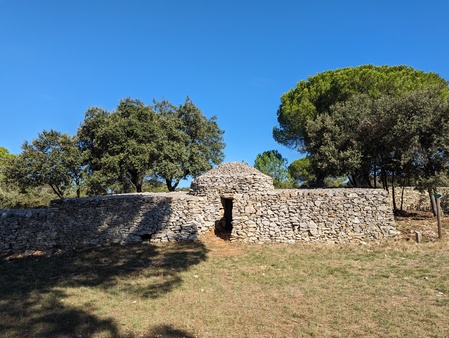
<point>231,178</point>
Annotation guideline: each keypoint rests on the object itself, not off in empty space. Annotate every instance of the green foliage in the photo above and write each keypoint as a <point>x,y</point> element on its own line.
<point>190,144</point>
<point>11,198</point>
<point>120,147</point>
<point>399,139</point>
<point>124,147</point>
<point>51,159</point>
<point>302,172</point>
<point>4,154</point>
<point>335,182</point>
<point>370,122</point>
<point>94,148</point>
<point>4,157</point>
<point>425,146</point>
<point>10,195</point>
<point>272,163</point>
<point>333,146</point>
<point>129,149</point>
<point>315,96</point>
<point>154,185</point>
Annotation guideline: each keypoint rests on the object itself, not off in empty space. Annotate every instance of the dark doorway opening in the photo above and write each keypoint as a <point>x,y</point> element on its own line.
<point>227,206</point>
<point>223,227</point>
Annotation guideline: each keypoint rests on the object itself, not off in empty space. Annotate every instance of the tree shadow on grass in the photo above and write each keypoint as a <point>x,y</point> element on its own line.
<point>33,288</point>
<point>167,331</point>
<point>46,315</point>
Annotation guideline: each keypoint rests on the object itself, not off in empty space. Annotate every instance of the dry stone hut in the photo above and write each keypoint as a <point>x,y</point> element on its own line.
<point>223,183</point>
<point>253,211</point>
<point>231,178</point>
<point>234,199</point>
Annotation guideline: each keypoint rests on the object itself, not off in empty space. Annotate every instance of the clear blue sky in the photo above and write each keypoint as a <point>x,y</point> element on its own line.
<point>233,58</point>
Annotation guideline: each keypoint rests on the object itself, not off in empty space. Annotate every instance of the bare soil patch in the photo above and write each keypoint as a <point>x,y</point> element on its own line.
<point>220,246</point>
<point>412,221</point>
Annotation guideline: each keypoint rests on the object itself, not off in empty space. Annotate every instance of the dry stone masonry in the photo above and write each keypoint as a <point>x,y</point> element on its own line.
<point>231,178</point>
<point>233,198</point>
<point>412,199</point>
<point>332,215</point>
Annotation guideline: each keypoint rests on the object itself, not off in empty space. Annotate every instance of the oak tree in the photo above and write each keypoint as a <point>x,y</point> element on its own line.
<point>136,141</point>
<point>190,143</point>
<point>120,146</point>
<point>52,159</point>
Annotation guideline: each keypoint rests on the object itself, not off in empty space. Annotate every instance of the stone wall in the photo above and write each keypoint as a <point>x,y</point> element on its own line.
<point>106,220</point>
<point>231,178</point>
<point>412,199</point>
<point>331,215</point>
<point>335,215</point>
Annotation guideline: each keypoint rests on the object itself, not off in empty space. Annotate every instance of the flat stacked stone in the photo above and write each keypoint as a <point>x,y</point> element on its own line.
<point>231,178</point>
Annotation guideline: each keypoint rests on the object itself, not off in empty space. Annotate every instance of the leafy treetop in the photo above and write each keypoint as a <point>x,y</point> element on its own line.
<point>272,163</point>
<point>314,96</point>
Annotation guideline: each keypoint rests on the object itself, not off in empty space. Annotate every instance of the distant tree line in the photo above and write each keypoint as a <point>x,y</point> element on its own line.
<point>376,125</point>
<point>118,151</point>
<point>298,174</point>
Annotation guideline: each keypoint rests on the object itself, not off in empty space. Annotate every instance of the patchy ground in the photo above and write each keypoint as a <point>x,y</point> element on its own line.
<point>411,222</point>
<point>214,288</point>
<point>220,246</point>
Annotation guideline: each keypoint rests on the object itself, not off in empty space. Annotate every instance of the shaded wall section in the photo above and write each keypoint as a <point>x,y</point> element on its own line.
<point>117,219</point>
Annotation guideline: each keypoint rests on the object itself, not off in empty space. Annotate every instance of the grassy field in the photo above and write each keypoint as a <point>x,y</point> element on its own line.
<point>212,288</point>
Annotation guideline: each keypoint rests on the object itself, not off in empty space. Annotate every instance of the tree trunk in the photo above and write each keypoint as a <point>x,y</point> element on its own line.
<point>139,187</point>
<point>57,191</point>
<point>375,177</point>
<point>393,192</point>
<point>137,179</point>
<point>433,204</point>
<point>170,186</point>
<point>351,180</point>
<point>402,198</point>
<point>361,180</point>
<point>384,180</point>
<point>138,183</point>
<point>367,179</point>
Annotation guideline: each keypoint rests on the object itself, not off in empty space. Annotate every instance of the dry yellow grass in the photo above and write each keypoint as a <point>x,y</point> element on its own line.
<point>217,289</point>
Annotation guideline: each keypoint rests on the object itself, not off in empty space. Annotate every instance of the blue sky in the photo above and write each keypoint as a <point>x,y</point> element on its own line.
<point>233,58</point>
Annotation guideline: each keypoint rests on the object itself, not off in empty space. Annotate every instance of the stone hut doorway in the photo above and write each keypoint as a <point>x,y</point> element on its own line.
<point>227,214</point>
<point>223,227</point>
<point>221,184</point>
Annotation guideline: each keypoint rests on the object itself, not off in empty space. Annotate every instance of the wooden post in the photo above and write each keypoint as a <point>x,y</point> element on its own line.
<point>433,203</point>
<point>418,236</point>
